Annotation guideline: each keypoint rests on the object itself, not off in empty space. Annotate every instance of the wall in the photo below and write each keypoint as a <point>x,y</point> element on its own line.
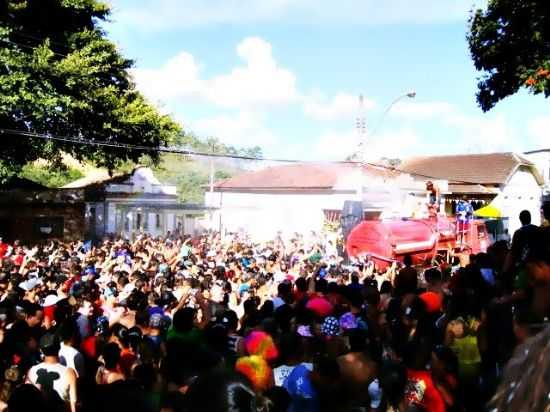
<point>542,162</point>
<point>521,193</point>
<point>264,214</point>
<point>20,221</point>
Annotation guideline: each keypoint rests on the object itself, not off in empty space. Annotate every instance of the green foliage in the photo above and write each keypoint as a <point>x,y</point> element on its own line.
<point>213,145</point>
<point>191,186</point>
<point>50,177</point>
<point>510,43</point>
<point>190,176</point>
<point>60,75</point>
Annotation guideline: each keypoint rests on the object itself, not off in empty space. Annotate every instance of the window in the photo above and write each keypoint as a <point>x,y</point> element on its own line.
<point>47,227</point>
<point>138,221</point>
<point>158,221</point>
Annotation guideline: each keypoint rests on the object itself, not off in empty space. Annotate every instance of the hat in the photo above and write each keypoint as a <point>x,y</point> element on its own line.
<point>432,301</point>
<point>330,327</point>
<point>348,321</point>
<point>261,344</point>
<point>51,300</point>
<point>30,284</point>
<point>49,340</point>
<point>320,306</point>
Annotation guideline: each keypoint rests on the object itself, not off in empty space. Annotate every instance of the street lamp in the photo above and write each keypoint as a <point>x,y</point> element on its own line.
<point>410,95</point>
<point>362,150</point>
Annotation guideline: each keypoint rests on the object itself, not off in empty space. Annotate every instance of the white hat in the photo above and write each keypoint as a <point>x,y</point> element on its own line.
<point>30,284</point>
<point>51,300</point>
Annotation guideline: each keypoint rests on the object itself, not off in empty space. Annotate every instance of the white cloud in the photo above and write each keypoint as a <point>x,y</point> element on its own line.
<point>178,77</point>
<point>242,129</point>
<point>539,133</point>
<point>260,81</point>
<point>147,15</point>
<point>342,105</point>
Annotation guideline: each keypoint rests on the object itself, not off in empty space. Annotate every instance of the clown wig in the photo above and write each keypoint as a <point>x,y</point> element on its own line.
<point>256,370</point>
<point>261,344</point>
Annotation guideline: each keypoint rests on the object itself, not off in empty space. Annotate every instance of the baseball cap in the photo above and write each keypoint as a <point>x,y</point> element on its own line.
<point>51,300</point>
<point>48,341</point>
<point>30,284</point>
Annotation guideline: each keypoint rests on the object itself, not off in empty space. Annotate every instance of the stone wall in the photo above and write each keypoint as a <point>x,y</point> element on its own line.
<point>41,222</point>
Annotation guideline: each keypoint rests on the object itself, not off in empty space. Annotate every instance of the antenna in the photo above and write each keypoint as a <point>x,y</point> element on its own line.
<point>361,127</point>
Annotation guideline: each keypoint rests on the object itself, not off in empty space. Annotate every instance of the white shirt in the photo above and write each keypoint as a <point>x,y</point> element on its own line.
<point>72,358</point>
<point>46,376</point>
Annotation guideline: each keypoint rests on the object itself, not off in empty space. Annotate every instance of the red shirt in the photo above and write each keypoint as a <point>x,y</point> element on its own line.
<point>3,249</point>
<point>127,359</point>
<point>421,391</point>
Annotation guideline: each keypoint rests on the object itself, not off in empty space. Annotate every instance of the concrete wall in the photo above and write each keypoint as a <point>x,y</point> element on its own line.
<point>264,214</point>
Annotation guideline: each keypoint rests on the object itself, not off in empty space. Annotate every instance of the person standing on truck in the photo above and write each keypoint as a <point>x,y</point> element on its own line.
<point>434,198</point>
<point>464,213</point>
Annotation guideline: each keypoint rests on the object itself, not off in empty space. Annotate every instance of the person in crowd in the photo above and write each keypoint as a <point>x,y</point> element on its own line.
<point>57,382</point>
<point>224,323</point>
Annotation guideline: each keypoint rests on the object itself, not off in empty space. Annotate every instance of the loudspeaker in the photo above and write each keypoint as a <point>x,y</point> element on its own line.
<point>352,215</point>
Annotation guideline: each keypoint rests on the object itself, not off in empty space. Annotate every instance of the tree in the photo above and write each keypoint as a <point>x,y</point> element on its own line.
<point>510,43</point>
<point>48,176</point>
<point>61,76</point>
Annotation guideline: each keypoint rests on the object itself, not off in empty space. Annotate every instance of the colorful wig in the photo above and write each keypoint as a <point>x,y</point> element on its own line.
<point>320,306</point>
<point>256,370</point>
<point>261,344</point>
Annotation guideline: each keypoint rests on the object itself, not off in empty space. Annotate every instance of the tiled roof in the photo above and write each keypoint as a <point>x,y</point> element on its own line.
<point>491,168</point>
<point>308,176</point>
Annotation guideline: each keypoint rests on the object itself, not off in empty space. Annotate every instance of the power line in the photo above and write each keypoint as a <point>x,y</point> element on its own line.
<point>187,152</point>
<point>77,140</point>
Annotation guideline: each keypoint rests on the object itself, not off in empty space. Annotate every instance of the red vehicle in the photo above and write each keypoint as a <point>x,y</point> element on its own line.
<point>428,241</point>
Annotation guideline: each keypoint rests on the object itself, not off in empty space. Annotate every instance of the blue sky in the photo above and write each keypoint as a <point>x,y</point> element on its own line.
<point>286,75</point>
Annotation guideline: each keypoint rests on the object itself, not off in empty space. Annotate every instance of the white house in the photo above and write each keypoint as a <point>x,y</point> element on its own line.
<point>509,181</point>
<point>133,203</point>
<point>541,159</point>
<point>301,197</point>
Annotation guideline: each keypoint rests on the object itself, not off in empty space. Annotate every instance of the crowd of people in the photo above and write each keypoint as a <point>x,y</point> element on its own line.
<point>218,323</point>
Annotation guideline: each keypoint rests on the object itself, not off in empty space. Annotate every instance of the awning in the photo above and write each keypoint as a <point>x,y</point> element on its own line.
<point>489,211</point>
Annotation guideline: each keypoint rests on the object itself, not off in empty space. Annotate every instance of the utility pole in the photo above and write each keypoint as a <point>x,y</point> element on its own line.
<point>212,148</point>
<point>361,128</point>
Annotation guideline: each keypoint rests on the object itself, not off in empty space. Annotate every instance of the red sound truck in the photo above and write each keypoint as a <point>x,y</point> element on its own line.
<point>428,241</point>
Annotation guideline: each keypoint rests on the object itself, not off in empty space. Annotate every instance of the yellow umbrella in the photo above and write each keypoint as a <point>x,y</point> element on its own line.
<point>489,211</point>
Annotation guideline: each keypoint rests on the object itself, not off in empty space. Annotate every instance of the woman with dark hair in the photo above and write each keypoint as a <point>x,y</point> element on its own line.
<point>109,372</point>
